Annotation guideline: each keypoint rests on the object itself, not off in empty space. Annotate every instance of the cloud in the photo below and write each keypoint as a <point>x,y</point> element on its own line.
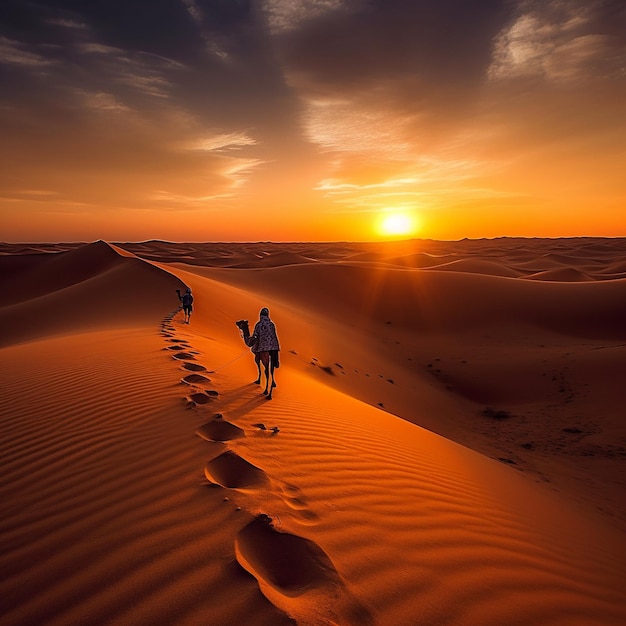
<point>223,141</point>
<point>15,53</point>
<point>559,41</point>
<point>351,126</point>
<point>194,10</point>
<point>288,15</point>
<point>228,177</point>
<point>428,62</point>
<point>101,101</point>
<point>364,43</point>
<point>360,184</point>
<point>416,101</point>
<point>383,85</point>
<point>67,23</point>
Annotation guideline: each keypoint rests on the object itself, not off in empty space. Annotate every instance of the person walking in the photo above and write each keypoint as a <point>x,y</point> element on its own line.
<point>187,303</point>
<point>266,348</point>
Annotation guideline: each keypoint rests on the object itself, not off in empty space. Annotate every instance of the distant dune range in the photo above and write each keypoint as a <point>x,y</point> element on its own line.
<point>449,442</point>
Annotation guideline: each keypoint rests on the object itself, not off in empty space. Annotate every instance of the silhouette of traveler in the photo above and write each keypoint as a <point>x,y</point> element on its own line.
<point>187,302</point>
<point>266,348</point>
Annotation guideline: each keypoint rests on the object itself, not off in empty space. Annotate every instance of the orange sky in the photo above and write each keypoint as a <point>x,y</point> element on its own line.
<point>284,120</point>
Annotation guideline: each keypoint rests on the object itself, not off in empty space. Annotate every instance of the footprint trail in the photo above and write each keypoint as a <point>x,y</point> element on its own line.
<point>285,565</point>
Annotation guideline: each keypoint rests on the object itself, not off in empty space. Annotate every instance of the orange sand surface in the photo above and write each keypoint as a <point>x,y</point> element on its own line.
<point>446,444</point>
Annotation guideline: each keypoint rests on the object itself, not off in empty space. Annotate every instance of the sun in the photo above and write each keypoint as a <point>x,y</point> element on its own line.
<point>397,224</point>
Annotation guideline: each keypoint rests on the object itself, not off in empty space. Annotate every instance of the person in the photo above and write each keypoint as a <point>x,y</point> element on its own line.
<point>187,302</point>
<point>266,348</point>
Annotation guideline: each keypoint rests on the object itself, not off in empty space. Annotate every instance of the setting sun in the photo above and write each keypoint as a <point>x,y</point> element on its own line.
<point>397,224</point>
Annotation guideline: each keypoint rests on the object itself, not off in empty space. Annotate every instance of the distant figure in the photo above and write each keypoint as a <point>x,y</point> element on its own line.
<point>187,302</point>
<point>264,344</point>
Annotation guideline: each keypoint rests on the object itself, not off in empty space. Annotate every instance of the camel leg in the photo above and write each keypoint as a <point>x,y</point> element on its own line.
<point>273,366</point>
<point>265,360</point>
<point>267,380</point>
<point>269,397</point>
<point>257,360</point>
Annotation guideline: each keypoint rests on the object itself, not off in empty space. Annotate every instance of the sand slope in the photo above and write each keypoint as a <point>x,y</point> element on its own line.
<point>88,287</point>
<point>143,482</point>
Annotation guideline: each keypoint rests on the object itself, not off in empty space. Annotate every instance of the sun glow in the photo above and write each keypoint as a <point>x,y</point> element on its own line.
<point>397,224</point>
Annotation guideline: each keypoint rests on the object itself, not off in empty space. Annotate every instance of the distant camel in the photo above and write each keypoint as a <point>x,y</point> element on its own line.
<point>259,357</point>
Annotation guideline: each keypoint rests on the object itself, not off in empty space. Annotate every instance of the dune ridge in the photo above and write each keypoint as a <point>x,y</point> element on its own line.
<point>445,446</point>
<point>86,287</point>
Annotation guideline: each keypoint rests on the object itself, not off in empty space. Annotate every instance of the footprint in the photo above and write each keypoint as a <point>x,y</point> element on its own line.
<point>265,611</point>
<point>184,355</point>
<point>289,563</point>
<point>175,348</point>
<point>219,430</point>
<point>230,470</point>
<point>290,566</point>
<point>195,378</point>
<point>194,367</point>
<point>199,398</point>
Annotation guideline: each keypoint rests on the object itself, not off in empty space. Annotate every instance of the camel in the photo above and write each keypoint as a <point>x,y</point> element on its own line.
<point>259,357</point>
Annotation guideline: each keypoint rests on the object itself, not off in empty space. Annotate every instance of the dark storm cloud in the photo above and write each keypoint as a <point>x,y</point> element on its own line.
<point>422,42</point>
<point>421,62</point>
<point>440,54</point>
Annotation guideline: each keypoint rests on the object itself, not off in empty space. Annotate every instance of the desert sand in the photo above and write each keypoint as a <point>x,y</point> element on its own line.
<point>450,445</point>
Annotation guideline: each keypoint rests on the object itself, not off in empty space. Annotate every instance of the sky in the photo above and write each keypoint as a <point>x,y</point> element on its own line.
<point>311,120</point>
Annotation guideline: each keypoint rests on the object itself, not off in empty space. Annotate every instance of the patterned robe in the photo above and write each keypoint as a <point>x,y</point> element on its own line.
<point>265,331</point>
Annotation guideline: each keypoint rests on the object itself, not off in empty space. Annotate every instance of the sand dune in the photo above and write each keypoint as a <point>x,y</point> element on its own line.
<point>439,301</point>
<point>273,260</point>
<point>91,287</point>
<point>445,445</point>
<point>478,266</point>
<point>563,275</point>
